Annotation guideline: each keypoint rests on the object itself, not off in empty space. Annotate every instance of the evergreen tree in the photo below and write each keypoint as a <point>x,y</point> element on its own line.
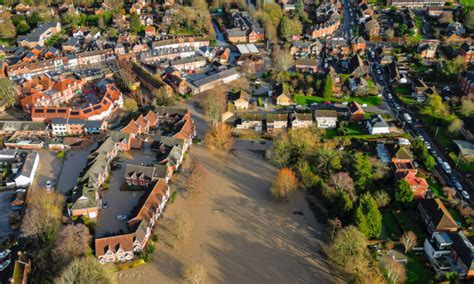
<point>362,171</point>
<point>342,206</point>
<point>328,86</point>
<point>367,216</point>
<point>403,192</point>
<point>361,221</point>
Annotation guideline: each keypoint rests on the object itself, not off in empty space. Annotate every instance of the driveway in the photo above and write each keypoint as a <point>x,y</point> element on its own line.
<point>48,169</point>
<point>74,162</point>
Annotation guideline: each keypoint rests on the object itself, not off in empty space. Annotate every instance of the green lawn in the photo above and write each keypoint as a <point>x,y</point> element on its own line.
<point>408,222</point>
<point>331,133</point>
<point>391,226</point>
<point>408,100</point>
<point>370,83</point>
<point>354,129</point>
<point>468,3</point>
<point>462,165</point>
<point>417,271</point>
<point>436,188</point>
<point>307,100</point>
<point>402,90</point>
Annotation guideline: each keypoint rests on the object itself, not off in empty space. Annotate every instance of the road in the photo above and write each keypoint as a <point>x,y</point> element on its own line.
<point>220,39</point>
<point>416,129</point>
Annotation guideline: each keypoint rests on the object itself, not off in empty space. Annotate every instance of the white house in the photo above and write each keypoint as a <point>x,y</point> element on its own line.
<point>27,173</point>
<point>377,125</point>
<point>59,126</point>
<point>325,118</point>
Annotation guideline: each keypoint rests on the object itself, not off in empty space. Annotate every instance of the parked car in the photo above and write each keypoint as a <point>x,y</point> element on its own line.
<point>428,145</point>
<point>122,217</point>
<point>48,185</point>
<point>446,167</point>
<point>458,186</point>
<point>465,194</point>
<point>439,160</point>
<point>5,264</point>
<point>5,253</point>
<point>105,204</point>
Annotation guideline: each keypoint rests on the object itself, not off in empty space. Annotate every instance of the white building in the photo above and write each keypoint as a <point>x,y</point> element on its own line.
<point>377,125</point>
<point>326,118</point>
<point>59,126</point>
<point>27,173</point>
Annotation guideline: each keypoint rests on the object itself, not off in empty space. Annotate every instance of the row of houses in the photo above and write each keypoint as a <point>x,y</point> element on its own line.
<point>69,61</point>
<point>447,248</point>
<point>171,146</point>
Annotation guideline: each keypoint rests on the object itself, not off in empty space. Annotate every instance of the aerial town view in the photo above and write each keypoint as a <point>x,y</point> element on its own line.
<point>236,141</point>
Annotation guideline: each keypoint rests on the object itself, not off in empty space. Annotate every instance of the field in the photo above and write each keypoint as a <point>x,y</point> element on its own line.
<point>307,100</point>
<point>238,232</point>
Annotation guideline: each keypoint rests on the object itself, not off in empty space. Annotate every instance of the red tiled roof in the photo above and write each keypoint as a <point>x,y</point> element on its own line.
<point>113,243</point>
<point>413,180</point>
<point>131,127</point>
<point>153,201</point>
<point>142,122</point>
<point>152,118</point>
<point>186,130</point>
<point>65,84</point>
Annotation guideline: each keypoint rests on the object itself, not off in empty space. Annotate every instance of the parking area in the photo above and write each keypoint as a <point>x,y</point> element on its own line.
<point>5,211</point>
<point>49,169</point>
<point>121,202</point>
<point>74,162</point>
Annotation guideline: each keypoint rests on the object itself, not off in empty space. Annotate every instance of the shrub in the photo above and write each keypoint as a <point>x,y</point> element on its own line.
<point>173,196</point>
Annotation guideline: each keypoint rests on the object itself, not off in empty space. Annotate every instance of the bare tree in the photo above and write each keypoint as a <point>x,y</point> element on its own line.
<point>195,273</point>
<point>43,217</point>
<point>335,225</point>
<point>86,270</point>
<point>214,102</point>
<point>219,137</point>
<point>395,271</point>
<point>281,58</point>
<point>449,192</point>
<point>197,176</point>
<point>408,240</point>
<point>342,181</point>
<point>7,93</point>
<point>73,241</point>
<point>382,198</point>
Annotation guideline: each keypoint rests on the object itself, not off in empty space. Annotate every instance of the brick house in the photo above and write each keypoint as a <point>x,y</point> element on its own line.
<point>418,185</point>
<point>141,176</point>
<point>435,216</point>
